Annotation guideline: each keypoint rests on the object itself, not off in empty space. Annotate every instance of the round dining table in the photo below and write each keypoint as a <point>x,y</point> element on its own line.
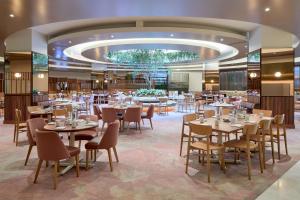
<point>219,106</point>
<point>68,129</point>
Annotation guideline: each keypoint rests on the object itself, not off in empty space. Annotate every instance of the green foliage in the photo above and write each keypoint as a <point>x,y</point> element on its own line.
<point>151,57</point>
<point>150,92</point>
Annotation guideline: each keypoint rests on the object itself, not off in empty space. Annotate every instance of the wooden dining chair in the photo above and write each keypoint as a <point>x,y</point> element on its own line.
<point>51,148</point>
<point>133,114</point>
<point>247,145</point>
<point>60,113</point>
<point>266,113</point>
<point>199,107</point>
<point>163,105</point>
<point>280,131</point>
<point>109,115</point>
<point>205,147</point>
<point>19,126</point>
<point>226,111</point>
<point>265,129</point>
<point>186,119</point>
<point>148,115</point>
<point>209,113</point>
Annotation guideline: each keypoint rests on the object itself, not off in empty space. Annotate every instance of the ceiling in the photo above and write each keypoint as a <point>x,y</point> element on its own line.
<point>65,20</point>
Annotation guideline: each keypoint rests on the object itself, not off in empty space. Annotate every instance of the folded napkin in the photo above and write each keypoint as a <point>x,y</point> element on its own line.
<point>60,127</point>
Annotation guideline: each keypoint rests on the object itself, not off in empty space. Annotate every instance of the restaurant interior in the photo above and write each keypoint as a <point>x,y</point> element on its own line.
<point>149,99</point>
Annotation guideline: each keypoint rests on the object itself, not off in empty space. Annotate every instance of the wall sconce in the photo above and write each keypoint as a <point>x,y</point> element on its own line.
<point>253,75</point>
<point>212,81</point>
<point>41,75</point>
<point>105,81</point>
<point>277,74</point>
<point>18,75</point>
<point>97,81</point>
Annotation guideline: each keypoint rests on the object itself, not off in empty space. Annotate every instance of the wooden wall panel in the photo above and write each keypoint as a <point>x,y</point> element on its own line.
<point>13,101</point>
<point>280,105</point>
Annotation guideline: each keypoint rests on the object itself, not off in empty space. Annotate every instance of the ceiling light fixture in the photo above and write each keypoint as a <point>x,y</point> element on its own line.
<point>277,74</point>
<point>253,75</point>
<point>11,15</point>
<point>97,81</point>
<point>112,36</point>
<point>172,35</point>
<point>212,81</point>
<point>222,39</point>
<point>76,51</point>
<point>267,9</point>
<point>70,42</point>
<point>41,75</point>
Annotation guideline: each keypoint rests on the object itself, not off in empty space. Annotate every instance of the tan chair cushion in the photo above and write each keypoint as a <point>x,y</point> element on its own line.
<point>203,145</point>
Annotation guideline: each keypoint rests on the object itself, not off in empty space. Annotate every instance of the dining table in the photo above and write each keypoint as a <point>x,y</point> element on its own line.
<point>224,126</point>
<point>63,127</point>
<point>220,105</point>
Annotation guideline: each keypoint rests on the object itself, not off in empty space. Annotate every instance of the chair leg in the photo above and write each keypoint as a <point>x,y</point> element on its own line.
<point>272,148</point>
<point>249,163</point>
<point>285,143</point>
<point>95,155</point>
<point>278,146</point>
<point>37,171</point>
<point>143,121</point>
<point>87,160</point>
<point>110,160</point>
<point>208,166</point>
<point>264,154</point>
<point>139,124</point>
<point>58,166</point>
<point>151,123</point>
<point>187,160</point>
<point>260,157</point>
<point>199,156</point>
<point>15,130</point>
<point>55,175</point>
<point>79,145</point>
<point>17,137</point>
<point>116,155</point>
<point>77,165</point>
<point>28,154</point>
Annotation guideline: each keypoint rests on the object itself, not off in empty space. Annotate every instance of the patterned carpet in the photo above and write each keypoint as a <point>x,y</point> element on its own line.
<point>149,168</point>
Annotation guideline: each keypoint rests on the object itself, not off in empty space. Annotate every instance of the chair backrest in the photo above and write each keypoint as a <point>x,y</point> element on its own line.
<point>133,114</point>
<point>18,116</point>
<point>60,113</point>
<point>250,129</point>
<point>226,111</point>
<point>97,111</point>
<point>189,117</point>
<point>265,125</point>
<point>279,119</point>
<point>110,137</point>
<point>33,125</point>
<point>150,111</point>
<point>109,114</point>
<point>50,147</point>
<point>209,113</point>
<point>201,129</point>
<point>92,117</point>
<point>267,113</point>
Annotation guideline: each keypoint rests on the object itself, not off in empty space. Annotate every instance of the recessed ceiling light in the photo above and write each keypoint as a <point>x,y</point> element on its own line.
<point>172,35</point>
<point>112,36</point>
<point>246,46</point>
<point>267,9</point>
<point>53,49</point>
<point>222,39</point>
<point>70,42</point>
<point>12,15</point>
<point>277,74</point>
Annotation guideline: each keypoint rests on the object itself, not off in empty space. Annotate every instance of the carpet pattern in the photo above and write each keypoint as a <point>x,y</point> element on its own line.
<point>150,168</point>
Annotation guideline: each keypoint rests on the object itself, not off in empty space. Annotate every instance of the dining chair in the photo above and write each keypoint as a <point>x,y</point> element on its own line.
<point>199,107</point>
<point>209,113</point>
<point>266,113</point>
<point>133,114</point>
<point>19,127</point>
<point>88,134</point>
<point>265,129</point>
<point>186,119</point>
<point>33,125</point>
<point>108,141</point>
<point>247,145</point>
<point>280,131</point>
<point>60,113</point>
<point>108,115</point>
<point>189,102</point>
<point>97,111</point>
<point>226,111</point>
<point>148,115</point>
<point>204,147</point>
<point>163,105</point>
<point>51,148</point>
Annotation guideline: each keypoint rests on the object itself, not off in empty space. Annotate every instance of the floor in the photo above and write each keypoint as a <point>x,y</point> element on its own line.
<point>150,168</point>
